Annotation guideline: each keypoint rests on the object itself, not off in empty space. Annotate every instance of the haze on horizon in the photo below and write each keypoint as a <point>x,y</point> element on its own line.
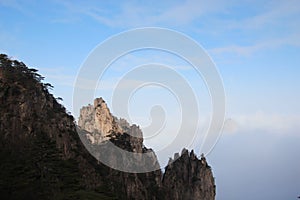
<point>254,44</point>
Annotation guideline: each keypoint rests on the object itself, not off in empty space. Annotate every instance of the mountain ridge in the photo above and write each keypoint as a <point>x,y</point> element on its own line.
<point>43,156</point>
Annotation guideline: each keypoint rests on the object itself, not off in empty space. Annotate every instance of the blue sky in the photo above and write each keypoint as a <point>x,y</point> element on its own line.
<point>255,45</point>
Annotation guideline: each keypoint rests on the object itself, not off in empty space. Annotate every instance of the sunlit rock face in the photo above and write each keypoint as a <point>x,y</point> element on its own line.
<point>98,127</point>
<point>98,120</point>
<point>186,176</point>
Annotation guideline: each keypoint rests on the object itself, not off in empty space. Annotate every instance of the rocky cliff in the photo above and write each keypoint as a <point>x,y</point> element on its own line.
<point>188,178</point>
<point>98,120</point>
<point>185,177</point>
<point>41,154</point>
<point>43,157</point>
<point>96,125</point>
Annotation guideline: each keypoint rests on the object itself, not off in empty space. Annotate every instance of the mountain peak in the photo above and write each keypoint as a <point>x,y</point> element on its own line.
<point>44,158</point>
<point>99,121</point>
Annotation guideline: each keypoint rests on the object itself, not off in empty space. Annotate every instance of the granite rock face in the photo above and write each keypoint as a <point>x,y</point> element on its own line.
<point>188,178</point>
<point>99,121</point>
<point>129,138</point>
<point>45,157</point>
<point>101,125</point>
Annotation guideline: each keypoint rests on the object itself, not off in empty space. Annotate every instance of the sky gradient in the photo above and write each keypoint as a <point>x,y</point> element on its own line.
<point>254,44</point>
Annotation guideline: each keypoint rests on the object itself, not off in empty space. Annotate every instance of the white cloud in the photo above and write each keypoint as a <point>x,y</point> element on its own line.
<point>291,40</point>
<point>133,14</point>
<point>260,121</point>
<point>272,24</point>
<point>237,49</point>
<point>276,13</point>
